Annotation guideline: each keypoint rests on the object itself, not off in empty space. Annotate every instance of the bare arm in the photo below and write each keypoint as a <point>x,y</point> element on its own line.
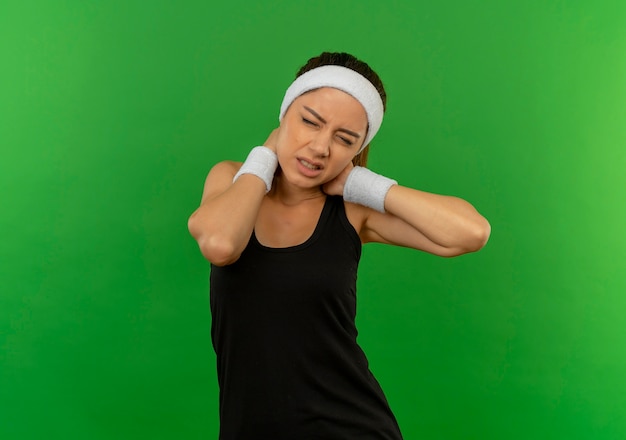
<point>438,224</point>
<point>441,225</point>
<point>224,222</point>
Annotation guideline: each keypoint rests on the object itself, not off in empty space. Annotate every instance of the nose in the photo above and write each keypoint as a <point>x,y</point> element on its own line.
<point>320,145</point>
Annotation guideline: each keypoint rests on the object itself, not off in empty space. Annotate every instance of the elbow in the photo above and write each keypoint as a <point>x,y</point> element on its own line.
<point>479,236</point>
<point>219,252</point>
<point>483,234</point>
<point>474,240</point>
<point>216,248</point>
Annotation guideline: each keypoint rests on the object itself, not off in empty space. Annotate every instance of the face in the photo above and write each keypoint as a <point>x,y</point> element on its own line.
<point>319,135</point>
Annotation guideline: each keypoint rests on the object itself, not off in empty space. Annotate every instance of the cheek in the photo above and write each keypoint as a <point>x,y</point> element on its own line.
<point>292,137</point>
<point>284,137</point>
<point>286,129</point>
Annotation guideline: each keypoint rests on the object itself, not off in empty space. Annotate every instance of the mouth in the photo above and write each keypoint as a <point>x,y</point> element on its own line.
<point>310,165</point>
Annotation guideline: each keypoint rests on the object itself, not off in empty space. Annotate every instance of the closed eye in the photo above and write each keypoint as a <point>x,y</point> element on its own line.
<point>346,141</point>
<point>309,122</point>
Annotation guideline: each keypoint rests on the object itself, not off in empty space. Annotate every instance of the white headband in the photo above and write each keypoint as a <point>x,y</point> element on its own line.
<point>346,80</point>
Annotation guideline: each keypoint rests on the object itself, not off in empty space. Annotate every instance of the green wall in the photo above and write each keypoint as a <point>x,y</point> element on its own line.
<point>112,113</point>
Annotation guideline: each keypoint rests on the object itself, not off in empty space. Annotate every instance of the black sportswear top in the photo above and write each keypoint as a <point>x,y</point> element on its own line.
<point>283,329</point>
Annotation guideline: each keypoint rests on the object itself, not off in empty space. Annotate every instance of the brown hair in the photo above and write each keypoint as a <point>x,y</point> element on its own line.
<point>351,62</point>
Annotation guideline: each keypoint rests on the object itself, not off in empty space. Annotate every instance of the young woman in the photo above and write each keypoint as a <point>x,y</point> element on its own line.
<point>283,232</point>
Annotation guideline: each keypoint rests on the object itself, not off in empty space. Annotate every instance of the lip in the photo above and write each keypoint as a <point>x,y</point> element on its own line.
<point>308,171</point>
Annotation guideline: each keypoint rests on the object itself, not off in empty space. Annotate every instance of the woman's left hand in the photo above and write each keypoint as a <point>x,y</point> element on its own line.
<point>335,186</point>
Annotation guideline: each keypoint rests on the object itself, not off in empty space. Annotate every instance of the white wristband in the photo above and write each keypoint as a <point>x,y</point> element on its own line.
<point>367,188</point>
<point>262,162</point>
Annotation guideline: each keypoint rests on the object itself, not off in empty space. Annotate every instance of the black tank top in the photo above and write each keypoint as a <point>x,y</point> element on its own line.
<point>283,329</point>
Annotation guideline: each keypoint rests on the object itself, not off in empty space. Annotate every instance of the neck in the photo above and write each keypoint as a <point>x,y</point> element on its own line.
<point>288,194</point>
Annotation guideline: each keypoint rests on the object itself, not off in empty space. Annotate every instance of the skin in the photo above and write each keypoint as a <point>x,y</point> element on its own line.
<point>325,129</point>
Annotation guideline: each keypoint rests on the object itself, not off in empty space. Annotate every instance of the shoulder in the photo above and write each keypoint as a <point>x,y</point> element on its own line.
<point>220,177</point>
<point>223,171</point>
<point>372,226</point>
<point>227,167</point>
<point>357,216</point>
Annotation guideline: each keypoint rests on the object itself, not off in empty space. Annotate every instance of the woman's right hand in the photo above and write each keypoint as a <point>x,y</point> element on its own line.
<point>272,140</point>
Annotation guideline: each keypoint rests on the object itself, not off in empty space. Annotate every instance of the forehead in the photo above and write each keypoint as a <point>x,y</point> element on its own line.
<point>334,102</point>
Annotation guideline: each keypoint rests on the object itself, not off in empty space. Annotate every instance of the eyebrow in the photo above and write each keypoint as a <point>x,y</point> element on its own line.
<point>345,130</point>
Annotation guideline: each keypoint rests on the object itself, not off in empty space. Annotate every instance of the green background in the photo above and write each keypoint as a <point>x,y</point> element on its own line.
<point>112,113</point>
